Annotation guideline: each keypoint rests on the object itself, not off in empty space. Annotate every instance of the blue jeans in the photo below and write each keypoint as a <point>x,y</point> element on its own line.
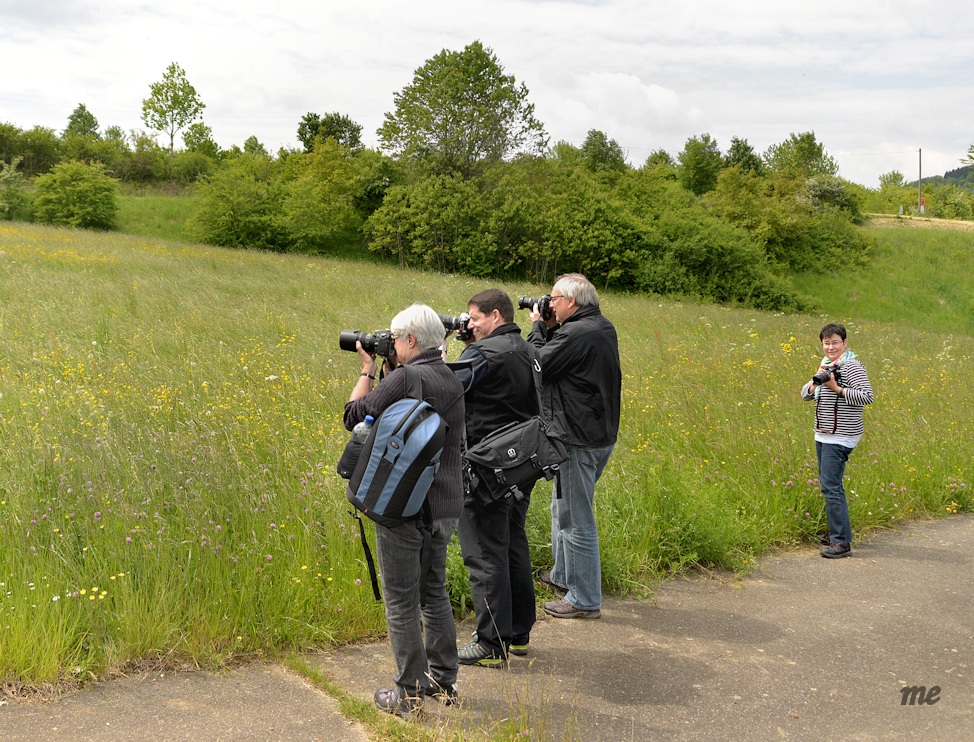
<point>574,534</point>
<point>424,641</point>
<point>832,459</point>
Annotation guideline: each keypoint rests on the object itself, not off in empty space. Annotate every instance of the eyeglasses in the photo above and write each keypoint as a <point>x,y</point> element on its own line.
<point>557,296</point>
<point>830,344</point>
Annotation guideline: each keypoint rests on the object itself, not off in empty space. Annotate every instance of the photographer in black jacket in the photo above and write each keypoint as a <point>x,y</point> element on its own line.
<point>492,536</point>
<point>581,400</point>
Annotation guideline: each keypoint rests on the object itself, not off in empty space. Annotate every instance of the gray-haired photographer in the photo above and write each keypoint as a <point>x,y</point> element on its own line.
<point>419,615</point>
<point>581,399</point>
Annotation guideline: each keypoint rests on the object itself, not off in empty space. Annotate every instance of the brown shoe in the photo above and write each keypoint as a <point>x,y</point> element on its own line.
<point>564,609</point>
<point>544,577</point>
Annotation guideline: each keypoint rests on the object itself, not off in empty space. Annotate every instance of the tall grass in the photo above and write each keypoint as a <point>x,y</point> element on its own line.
<point>170,417</point>
<point>917,277</point>
<point>157,214</point>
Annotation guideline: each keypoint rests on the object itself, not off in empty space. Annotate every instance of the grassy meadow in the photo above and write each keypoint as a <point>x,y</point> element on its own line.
<point>170,417</point>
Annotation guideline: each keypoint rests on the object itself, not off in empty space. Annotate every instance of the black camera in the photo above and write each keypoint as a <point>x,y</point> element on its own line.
<point>825,374</point>
<point>378,343</point>
<point>544,304</point>
<point>460,325</point>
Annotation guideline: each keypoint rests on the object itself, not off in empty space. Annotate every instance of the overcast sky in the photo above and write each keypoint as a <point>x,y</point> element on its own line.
<point>876,81</point>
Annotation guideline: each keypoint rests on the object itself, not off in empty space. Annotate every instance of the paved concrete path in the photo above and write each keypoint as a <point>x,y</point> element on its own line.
<point>803,648</point>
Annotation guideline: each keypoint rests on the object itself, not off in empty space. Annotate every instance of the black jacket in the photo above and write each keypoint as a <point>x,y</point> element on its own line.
<point>502,390</point>
<point>581,378</point>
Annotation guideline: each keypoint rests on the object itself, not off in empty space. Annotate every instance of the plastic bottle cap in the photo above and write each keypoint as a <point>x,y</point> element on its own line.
<point>369,419</point>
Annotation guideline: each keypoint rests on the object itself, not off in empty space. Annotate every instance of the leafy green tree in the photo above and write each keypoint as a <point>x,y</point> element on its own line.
<point>252,146</point>
<point>700,164</point>
<point>198,137</point>
<point>740,154</point>
<point>800,156</point>
<point>603,154</point>
<point>145,162</point>
<point>40,148</point>
<point>460,114</point>
<point>323,197</point>
<point>659,157</point>
<point>82,122</point>
<point>76,194</point>
<point>241,205</point>
<point>14,196</point>
<point>189,167</point>
<point>336,126</point>
<point>172,104</point>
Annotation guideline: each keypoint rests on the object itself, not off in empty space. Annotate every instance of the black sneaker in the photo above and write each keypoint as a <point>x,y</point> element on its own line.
<point>518,650</point>
<point>476,653</point>
<point>393,701</point>
<point>836,550</point>
<point>448,695</point>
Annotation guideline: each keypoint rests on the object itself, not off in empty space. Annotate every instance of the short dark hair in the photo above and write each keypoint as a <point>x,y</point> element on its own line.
<point>832,329</point>
<point>490,299</point>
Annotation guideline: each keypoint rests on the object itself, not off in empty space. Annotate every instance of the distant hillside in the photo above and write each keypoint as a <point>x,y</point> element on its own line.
<point>962,177</point>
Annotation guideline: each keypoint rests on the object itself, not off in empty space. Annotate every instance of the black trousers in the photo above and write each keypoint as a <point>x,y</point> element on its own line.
<point>495,551</point>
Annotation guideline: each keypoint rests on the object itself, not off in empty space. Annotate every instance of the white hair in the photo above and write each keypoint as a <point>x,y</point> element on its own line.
<point>422,322</point>
<point>578,287</point>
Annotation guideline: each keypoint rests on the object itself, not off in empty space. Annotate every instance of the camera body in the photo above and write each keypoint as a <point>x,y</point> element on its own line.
<point>825,374</point>
<point>543,302</point>
<point>460,325</point>
<point>378,343</point>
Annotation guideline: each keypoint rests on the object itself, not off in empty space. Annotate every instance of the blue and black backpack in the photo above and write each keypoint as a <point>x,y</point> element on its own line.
<point>396,466</point>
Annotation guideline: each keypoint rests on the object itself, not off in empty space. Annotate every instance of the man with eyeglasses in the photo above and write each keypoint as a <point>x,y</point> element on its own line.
<point>580,399</point>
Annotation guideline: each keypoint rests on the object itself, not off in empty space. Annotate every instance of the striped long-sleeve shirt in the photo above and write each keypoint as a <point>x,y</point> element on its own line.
<point>837,415</point>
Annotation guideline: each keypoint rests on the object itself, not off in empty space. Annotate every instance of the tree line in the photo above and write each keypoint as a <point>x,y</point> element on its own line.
<point>466,180</point>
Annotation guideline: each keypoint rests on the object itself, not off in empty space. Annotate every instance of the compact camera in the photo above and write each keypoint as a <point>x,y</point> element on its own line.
<point>378,343</point>
<point>543,302</point>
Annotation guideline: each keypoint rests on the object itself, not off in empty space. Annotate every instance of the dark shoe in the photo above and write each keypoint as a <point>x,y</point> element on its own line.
<point>518,649</point>
<point>393,701</point>
<point>564,609</point>
<point>544,577</point>
<point>476,653</point>
<point>447,695</point>
<point>836,551</point>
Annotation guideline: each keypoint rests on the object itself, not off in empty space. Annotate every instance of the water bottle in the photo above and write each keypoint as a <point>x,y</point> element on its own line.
<point>350,456</point>
<point>361,430</point>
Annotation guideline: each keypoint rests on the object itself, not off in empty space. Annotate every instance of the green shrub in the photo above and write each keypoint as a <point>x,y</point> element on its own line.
<point>188,167</point>
<point>76,194</point>
<point>14,196</point>
<point>241,205</point>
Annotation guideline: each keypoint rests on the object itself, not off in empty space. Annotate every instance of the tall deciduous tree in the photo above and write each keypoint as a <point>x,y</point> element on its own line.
<point>335,126</point>
<point>82,122</point>
<point>602,153</point>
<point>172,105</point>
<point>700,164</point>
<point>742,155</point>
<point>801,156</point>
<point>461,113</point>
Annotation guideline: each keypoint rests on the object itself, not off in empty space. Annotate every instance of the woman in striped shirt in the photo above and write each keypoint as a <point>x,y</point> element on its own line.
<point>840,390</point>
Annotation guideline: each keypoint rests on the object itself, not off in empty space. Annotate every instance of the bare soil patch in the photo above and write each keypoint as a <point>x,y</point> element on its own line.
<point>919,222</point>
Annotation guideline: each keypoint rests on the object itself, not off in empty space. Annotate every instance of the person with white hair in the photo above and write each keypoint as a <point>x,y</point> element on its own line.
<point>581,383</point>
<point>423,637</point>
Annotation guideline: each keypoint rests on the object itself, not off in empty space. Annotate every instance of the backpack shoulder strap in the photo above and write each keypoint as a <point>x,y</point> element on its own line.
<point>414,382</point>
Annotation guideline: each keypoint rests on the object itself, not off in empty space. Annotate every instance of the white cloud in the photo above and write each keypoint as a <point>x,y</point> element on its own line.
<point>868,77</point>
